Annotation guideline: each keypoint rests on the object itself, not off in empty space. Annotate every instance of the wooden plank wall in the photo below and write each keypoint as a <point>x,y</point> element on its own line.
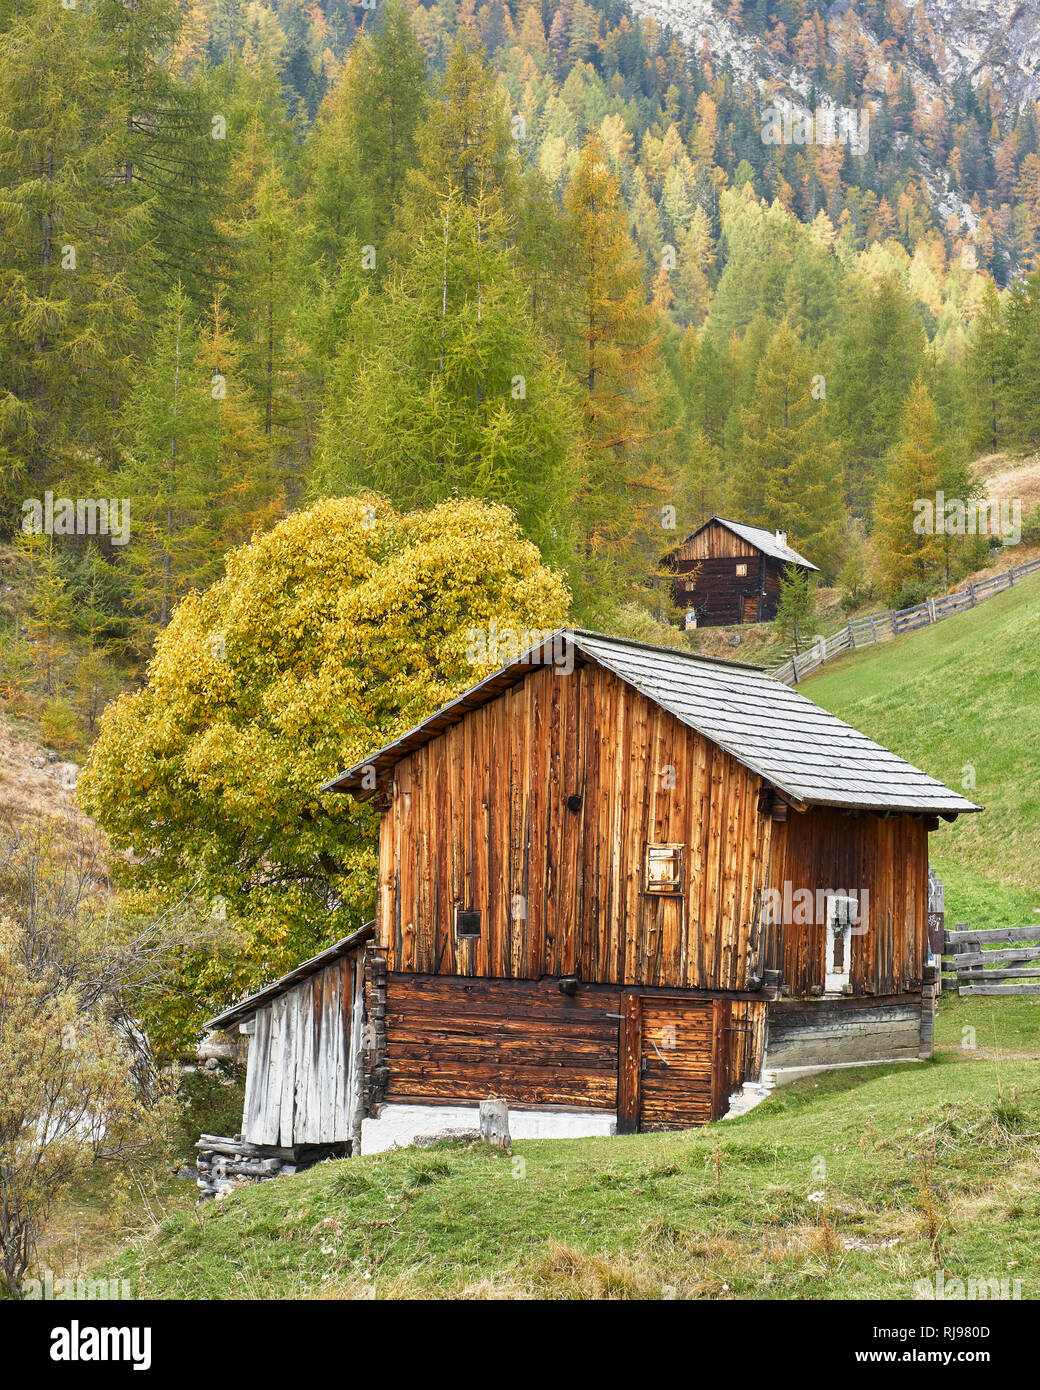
<point>683,1056</point>
<point>714,543</point>
<point>746,1042</point>
<point>297,1073</point>
<point>479,819</point>
<point>676,1087</point>
<point>521,1040</point>
<point>836,850</point>
<point>718,593</point>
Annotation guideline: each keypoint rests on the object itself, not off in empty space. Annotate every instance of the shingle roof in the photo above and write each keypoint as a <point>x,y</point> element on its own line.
<point>795,745</point>
<point>252,1002</point>
<point>763,540</point>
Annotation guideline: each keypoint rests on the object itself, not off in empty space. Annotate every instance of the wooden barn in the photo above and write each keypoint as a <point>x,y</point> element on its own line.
<point>726,572</point>
<point>618,884</point>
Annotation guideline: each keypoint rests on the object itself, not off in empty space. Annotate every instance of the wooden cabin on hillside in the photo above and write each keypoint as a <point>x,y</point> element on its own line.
<point>617,883</point>
<point>726,572</point>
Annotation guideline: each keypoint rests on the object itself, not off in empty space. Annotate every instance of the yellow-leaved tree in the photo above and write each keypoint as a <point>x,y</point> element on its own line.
<point>327,636</point>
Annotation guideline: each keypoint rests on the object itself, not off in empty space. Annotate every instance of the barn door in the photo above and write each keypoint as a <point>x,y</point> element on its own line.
<point>672,1062</point>
<point>751,608</point>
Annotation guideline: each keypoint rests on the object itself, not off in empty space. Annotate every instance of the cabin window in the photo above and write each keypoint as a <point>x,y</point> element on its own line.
<point>467,923</point>
<point>742,571</point>
<point>663,873</point>
<point>840,919</point>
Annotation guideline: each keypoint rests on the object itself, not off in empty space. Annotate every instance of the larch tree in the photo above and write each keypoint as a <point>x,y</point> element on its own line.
<point>910,544</point>
<point>263,300</point>
<point>387,99</point>
<point>70,230</point>
<point>464,142</point>
<point>247,491</point>
<point>611,340</point>
<point>880,353</point>
<point>796,608</point>
<point>452,390</point>
<point>789,478</point>
<point>197,468</point>
<point>1023,346</point>
<point>988,364</point>
<point>169,469</point>
<point>363,143</point>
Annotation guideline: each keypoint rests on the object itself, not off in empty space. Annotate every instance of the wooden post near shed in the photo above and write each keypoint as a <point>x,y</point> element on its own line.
<point>494,1123</point>
<point>936,928</point>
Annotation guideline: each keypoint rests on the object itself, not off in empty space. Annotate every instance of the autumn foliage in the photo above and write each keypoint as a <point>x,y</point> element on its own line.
<point>328,636</point>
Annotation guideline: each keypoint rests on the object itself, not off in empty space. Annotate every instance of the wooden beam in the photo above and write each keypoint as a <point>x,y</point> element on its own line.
<point>629,1063</point>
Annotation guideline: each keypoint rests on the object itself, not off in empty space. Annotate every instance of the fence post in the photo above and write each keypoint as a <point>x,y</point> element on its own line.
<point>852,636</point>
<point>971,590</point>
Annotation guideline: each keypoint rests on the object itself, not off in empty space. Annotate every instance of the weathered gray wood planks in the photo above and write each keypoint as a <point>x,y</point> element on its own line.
<point>298,1077</point>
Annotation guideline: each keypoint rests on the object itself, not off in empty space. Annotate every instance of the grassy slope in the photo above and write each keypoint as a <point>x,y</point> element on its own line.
<point>964,693</point>
<point>920,1166</point>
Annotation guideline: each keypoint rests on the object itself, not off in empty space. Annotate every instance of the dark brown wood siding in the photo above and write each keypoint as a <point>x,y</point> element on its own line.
<point>706,579</point>
<point>450,1038</point>
<point>479,820</point>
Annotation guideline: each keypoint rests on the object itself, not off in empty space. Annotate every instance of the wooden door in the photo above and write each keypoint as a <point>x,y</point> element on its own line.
<point>672,1072</point>
<point>751,608</point>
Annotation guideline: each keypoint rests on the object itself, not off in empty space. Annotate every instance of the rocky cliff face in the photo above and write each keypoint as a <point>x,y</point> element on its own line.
<point>973,39</point>
<point>998,39</point>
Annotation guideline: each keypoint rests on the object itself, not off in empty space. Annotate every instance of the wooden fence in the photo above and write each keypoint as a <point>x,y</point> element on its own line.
<point>972,969</point>
<point>879,627</point>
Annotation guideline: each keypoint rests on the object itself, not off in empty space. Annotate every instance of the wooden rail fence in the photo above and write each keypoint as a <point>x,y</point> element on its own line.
<point>975,970</point>
<point>879,627</point>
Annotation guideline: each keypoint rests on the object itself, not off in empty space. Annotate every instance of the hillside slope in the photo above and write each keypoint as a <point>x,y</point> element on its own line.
<point>852,1185</point>
<point>34,779</point>
<point>962,700</point>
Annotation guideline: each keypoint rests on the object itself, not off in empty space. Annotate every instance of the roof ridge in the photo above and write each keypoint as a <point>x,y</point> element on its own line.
<point>740,528</point>
<point>774,731</point>
<point>660,647</point>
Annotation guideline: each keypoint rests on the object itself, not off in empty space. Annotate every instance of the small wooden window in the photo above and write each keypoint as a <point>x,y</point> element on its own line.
<point>742,571</point>
<point>467,923</point>
<point>663,870</point>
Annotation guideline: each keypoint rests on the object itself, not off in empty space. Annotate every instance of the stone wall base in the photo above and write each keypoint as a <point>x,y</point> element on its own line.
<point>226,1164</point>
<point>399,1124</point>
